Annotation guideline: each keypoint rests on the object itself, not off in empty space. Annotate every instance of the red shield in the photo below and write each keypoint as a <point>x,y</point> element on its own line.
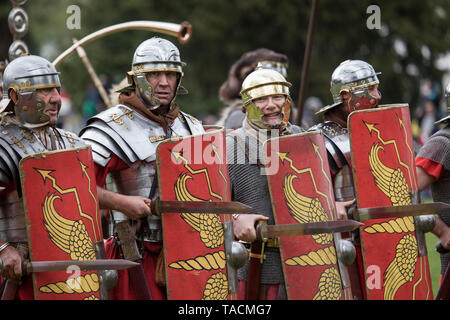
<point>384,175</point>
<point>63,221</point>
<point>194,169</point>
<point>301,192</point>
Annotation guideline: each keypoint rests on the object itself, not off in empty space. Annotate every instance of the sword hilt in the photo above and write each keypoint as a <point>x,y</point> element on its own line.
<point>261,230</point>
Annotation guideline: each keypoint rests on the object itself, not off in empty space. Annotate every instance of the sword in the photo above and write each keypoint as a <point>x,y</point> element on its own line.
<point>362,214</point>
<point>62,265</point>
<point>158,206</point>
<point>264,231</point>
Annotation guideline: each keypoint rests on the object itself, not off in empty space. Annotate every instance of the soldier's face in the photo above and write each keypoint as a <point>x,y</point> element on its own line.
<point>271,107</point>
<point>164,85</point>
<point>52,100</point>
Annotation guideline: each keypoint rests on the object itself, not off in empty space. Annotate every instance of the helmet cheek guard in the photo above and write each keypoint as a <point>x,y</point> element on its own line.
<point>29,110</point>
<point>261,83</point>
<point>362,99</point>
<point>144,90</point>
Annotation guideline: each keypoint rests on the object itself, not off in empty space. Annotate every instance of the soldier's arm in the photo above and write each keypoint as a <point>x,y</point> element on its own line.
<point>423,178</point>
<point>134,207</point>
<point>442,231</point>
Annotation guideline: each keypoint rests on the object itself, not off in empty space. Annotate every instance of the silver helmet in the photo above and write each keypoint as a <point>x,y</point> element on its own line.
<point>152,55</point>
<point>447,100</point>
<point>25,75</point>
<point>353,76</point>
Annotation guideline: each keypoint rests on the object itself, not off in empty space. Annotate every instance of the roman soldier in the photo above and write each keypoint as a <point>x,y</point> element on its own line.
<point>29,113</point>
<point>124,140</point>
<point>433,168</point>
<point>267,104</point>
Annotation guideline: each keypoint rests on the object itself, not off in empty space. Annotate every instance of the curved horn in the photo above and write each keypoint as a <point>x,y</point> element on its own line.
<point>182,31</point>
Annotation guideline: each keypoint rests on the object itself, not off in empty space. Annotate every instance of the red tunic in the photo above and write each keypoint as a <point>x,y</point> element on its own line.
<point>431,168</point>
<point>124,290</point>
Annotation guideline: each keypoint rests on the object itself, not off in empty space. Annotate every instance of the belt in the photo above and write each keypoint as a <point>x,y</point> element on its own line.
<point>151,230</point>
<point>273,243</point>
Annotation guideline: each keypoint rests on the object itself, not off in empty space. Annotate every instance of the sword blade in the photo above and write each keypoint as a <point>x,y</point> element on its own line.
<point>174,206</point>
<point>100,264</point>
<point>296,229</point>
<point>402,211</point>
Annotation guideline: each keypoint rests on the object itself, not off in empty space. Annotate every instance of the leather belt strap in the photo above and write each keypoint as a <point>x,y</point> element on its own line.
<point>254,270</point>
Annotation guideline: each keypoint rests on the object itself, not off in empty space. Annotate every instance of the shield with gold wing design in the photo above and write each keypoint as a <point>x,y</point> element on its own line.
<point>301,192</point>
<point>193,168</point>
<point>63,221</point>
<point>384,175</point>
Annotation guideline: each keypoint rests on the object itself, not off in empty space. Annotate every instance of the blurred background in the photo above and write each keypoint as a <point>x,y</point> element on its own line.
<point>407,41</point>
<point>410,46</point>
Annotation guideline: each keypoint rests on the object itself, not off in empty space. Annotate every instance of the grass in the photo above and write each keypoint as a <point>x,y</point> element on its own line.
<point>434,261</point>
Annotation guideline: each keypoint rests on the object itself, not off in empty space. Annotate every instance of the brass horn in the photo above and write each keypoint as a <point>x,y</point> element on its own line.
<point>182,31</point>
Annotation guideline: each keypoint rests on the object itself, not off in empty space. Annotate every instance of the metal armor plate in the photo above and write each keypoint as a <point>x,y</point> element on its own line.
<point>384,175</point>
<point>63,221</point>
<point>194,168</point>
<point>301,191</point>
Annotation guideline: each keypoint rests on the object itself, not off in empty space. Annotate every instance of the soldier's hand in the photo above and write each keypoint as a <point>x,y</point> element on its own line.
<point>12,263</point>
<point>244,226</point>
<point>341,208</point>
<point>445,238</point>
<point>135,207</point>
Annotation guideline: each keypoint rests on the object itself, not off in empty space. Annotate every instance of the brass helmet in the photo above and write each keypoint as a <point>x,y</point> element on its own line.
<point>355,77</point>
<point>152,55</point>
<point>25,75</point>
<point>260,83</point>
<point>447,100</point>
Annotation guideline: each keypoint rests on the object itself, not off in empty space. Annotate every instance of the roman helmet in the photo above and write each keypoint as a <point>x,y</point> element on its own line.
<point>354,77</point>
<point>152,55</point>
<point>25,75</point>
<point>447,100</point>
<point>260,83</point>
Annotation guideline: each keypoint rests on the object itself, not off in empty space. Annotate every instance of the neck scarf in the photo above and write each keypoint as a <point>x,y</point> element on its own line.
<point>131,100</point>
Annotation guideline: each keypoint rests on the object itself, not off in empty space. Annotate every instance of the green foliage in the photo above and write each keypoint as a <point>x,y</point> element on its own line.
<point>224,30</point>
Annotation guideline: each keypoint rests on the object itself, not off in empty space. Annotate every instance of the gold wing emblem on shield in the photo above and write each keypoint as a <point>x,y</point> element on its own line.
<point>209,226</point>
<point>70,236</point>
<point>393,184</point>
<point>210,229</point>
<point>305,209</point>
<point>390,181</point>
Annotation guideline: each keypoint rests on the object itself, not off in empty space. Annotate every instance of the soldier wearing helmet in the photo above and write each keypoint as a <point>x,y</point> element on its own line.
<point>266,102</point>
<point>229,92</point>
<point>433,168</point>
<point>353,86</point>
<point>124,140</point>
<point>29,112</point>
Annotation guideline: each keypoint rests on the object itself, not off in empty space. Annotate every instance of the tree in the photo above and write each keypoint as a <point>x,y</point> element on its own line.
<point>224,30</point>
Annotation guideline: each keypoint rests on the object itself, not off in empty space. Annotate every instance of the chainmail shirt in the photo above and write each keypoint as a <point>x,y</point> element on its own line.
<point>249,186</point>
<point>437,149</point>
